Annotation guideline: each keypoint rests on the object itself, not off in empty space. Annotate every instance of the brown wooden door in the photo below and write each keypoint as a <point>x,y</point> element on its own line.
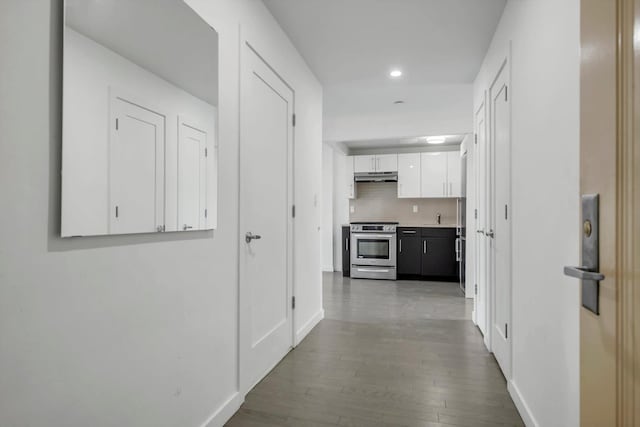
<point>609,342</point>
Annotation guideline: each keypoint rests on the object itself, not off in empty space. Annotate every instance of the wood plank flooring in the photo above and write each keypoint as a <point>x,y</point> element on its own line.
<point>387,354</point>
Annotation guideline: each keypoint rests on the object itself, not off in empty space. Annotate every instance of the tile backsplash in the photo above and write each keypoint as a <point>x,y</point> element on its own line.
<point>378,201</point>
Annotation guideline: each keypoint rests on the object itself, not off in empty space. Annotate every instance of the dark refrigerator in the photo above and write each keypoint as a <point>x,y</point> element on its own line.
<point>461,230</point>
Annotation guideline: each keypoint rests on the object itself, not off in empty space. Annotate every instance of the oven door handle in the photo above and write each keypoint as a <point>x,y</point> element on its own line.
<point>374,236</point>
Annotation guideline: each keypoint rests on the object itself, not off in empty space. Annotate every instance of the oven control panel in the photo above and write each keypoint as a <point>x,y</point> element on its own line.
<point>373,228</point>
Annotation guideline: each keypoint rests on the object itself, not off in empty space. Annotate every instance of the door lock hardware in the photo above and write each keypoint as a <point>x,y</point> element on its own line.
<point>490,233</point>
<point>588,272</point>
<point>186,227</point>
<point>250,236</point>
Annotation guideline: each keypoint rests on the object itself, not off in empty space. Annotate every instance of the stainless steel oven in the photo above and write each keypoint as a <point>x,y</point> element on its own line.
<point>373,250</point>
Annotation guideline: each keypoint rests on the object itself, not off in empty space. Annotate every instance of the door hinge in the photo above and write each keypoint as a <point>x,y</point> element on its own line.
<point>117,211</point>
<point>475,213</point>
<point>206,211</point>
<point>293,120</point>
<point>476,141</point>
<point>476,289</point>
<point>293,211</point>
<point>506,331</point>
<point>506,93</point>
<point>293,303</point>
<point>506,212</point>
<point>117,124</point>
<point>206,152</point>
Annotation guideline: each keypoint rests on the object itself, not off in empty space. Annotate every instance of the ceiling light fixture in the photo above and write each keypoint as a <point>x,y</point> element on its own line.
<point>395,73</point>
<point>398,102</point>
<point>436,140</point>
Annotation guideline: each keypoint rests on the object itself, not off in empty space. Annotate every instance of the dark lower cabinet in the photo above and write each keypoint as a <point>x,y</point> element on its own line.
<point>409,252</point>
<point>346,251</point>
<point>439,257</point>
<point>427,252</point>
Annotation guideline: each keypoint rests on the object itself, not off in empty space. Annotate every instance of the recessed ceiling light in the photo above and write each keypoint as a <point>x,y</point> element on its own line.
<point>395,73</point>
<point>398,102</point>
<point>436,140</point>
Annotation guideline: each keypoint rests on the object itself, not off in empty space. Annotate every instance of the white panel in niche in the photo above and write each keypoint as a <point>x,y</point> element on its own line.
<point>192,175</point>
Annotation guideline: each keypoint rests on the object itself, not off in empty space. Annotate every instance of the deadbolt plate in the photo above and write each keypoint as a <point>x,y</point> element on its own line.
<point>590,250</point>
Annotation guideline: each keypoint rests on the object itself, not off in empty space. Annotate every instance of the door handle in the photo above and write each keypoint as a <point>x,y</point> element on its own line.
<point>480,231</point>
<point>346,244</point>
<point>583,273</point>
<point>424,246</point>
<point>589,273</point>
<point>249,237</point>
<point>490,233</point>
<point>186,227</point>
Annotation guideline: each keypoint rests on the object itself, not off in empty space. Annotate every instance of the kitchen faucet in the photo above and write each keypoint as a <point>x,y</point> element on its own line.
<point>438,217</point>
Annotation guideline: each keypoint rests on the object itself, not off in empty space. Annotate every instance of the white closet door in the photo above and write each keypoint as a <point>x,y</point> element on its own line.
<point>136,169</point>
<point>434,174</point>
<point>409,175</point>
<point>192,175</point>
<point>454,174</point>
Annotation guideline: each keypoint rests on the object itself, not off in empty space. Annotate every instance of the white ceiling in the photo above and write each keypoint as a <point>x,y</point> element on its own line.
<point>165,37</point>
<point>349,41</point>
<point>403,142</point>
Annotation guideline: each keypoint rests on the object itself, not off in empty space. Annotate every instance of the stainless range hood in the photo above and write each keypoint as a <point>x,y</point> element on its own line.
<point>376,177</point>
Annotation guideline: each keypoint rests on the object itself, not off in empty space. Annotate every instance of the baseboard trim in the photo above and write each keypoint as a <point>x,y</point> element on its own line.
<point>225,412</point>
<point>327,269</point>
<point>523,408</point>
<point>308,327</point>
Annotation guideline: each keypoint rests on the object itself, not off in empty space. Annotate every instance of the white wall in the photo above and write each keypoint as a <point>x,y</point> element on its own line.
<point>130,330</point>
<point>354,113</point>
<point>340,202</point>
<point>91,72</point>
<point>327,207</point>
<point>545,164</point>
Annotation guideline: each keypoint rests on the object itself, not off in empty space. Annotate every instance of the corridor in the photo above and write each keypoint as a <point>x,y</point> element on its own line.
<point>387,354</point>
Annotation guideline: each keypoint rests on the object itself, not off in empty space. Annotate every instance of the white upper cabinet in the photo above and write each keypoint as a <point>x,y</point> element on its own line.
<point>433,174</point>
<point>364,164</point>
<point>350,182</point>
<point>409,175</point>
<point>376,163</point>
<point>454,174</point>
<point>387,163</point>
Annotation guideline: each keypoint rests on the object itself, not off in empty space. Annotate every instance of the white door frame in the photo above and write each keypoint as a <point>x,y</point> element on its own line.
<point>504,66</point>
<point>481,191</point>
<point>245,384</point>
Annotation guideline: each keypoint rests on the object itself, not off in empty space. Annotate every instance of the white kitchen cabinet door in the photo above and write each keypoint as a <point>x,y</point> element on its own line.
<point>136,169</point>
<point>350,182</point>
<point>387,163</point>
<point>454,174</point>
<point>192,177</point>
<point>433,172</point>
<point>409,175</point>
<point>364,164</point>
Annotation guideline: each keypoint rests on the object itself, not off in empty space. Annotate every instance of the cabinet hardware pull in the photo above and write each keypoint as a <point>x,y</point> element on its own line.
<point>424,244</point>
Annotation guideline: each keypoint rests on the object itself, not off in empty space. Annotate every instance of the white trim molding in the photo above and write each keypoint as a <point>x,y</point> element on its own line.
<point>225,412</point>
<point>523,408</point>
<point>308,327</point>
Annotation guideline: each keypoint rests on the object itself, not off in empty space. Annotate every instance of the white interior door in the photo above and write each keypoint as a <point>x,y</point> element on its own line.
<point>434,174</point>
<point>454,174</point>
<point>500,232</point>
<point>481,194</point>
<point>266,192</point>
<point>192,176</point>
<point>136,168</point>
<point>409,175</point>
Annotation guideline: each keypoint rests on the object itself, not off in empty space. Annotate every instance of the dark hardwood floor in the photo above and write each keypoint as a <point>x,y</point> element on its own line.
<point>387,354</point>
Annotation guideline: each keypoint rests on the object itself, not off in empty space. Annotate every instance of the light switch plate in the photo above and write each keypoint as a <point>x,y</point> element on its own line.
<point>352,209</point>
<point>415,208</point>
